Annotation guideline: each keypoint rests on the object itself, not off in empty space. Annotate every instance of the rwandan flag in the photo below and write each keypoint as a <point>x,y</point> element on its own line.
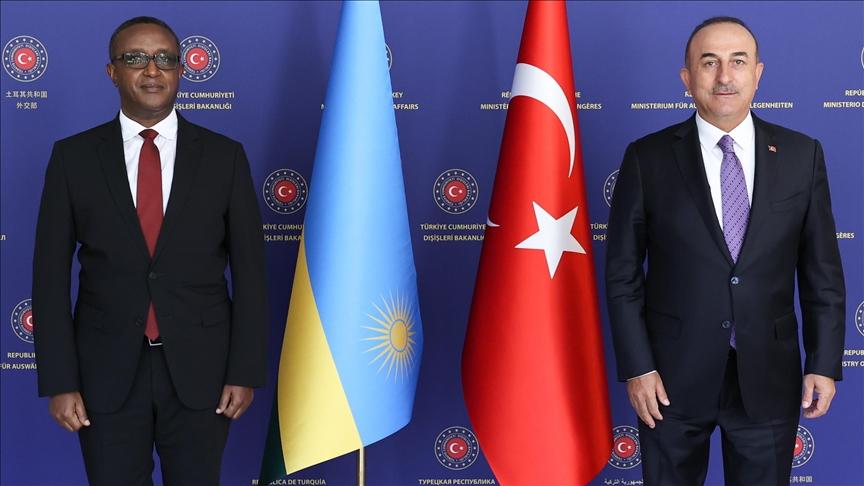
<point>353,338</point>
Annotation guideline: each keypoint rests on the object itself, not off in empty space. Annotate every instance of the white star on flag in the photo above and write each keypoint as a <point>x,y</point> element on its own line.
<point>553,237</point>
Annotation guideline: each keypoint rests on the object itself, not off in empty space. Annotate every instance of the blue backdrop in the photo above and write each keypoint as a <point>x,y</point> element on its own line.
<point>263,74</point>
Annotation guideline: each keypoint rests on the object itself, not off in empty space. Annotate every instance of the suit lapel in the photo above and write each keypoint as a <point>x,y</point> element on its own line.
<point>113,163</point>
<point>186,164</point>
<point>765,175</point>
<point>688,155</point>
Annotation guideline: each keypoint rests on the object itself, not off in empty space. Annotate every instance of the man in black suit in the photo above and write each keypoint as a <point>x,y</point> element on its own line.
<point>157,352</point>
<point>729,210</point>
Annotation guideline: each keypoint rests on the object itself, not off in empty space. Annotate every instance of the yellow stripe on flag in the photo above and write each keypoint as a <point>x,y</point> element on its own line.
<point>315,420</point>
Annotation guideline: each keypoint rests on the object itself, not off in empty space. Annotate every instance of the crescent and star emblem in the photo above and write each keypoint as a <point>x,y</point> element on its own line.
<point>554,234</point>
<point>25,59</point>
<point>194,58</point>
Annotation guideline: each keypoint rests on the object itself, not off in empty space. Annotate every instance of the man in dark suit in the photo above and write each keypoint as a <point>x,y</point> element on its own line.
<point>157,352</point>
<point>729,210</point>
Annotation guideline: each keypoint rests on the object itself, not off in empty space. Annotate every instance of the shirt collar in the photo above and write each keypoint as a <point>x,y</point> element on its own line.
<point>167,127</point>
<point>743,134</point>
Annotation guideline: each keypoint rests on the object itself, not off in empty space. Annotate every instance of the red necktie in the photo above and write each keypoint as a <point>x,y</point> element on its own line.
<point>149,207</point>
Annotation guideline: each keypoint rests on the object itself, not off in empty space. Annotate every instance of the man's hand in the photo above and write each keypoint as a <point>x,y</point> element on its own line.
<point>235,400</point>
<point>68,410</point>
<point>644,393</point>
<point>817,406</point>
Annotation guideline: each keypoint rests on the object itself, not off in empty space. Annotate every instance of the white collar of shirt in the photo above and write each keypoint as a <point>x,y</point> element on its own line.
<point>167,127</point>
<point>166,142</point>
<point>744,136</point>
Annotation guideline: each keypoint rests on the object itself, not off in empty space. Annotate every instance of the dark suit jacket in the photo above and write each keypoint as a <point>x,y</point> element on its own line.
<point>675,316</point>
<point>212,218</point>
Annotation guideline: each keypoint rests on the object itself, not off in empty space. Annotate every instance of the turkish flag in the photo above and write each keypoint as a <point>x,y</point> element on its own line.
<point>533,369</point>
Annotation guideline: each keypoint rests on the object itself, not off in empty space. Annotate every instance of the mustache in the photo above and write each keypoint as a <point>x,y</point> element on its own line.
<point>724,89</point>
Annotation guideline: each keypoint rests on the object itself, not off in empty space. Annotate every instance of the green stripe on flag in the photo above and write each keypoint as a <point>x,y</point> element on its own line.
<point>273,464</point>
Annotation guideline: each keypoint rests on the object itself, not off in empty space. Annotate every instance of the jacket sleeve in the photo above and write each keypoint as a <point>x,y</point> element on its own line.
<point>247,361</point>
<point>54,333</point>
<point>821,287</point>
<point>625,277</point>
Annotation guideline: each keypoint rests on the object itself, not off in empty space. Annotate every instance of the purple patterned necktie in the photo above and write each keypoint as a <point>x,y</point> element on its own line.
<point>736,206</point>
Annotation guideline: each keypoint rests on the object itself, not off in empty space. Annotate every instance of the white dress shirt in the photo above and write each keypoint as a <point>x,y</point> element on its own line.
<point>166,142</point>
<point>744,136</point>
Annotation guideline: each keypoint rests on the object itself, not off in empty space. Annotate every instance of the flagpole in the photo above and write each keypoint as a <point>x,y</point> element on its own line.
<point>361,468</point>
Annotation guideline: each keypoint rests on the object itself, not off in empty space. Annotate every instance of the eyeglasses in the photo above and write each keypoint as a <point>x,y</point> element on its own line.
<point>140,60</point>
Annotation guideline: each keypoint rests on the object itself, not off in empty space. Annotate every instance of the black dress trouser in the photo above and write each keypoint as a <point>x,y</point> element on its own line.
<point>118,447</point>
<point>755,453</point>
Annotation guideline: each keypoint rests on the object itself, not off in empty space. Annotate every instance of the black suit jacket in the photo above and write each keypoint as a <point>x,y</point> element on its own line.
<point>212,218</point>
<point>674,314</point>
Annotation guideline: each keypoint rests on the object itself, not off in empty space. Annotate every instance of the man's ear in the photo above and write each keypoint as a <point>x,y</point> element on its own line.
<point>684,73</point>
<point>759,68</point>
<point>109,69</point>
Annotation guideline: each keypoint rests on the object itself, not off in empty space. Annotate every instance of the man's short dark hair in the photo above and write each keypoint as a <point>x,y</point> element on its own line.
<point>718,20</point>
<point>137,21</point>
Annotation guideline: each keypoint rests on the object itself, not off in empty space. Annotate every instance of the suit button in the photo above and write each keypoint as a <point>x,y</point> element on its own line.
<point>139,322</point>
<point>726,324</point>
<point>734,280</point>
<point>152,276</point>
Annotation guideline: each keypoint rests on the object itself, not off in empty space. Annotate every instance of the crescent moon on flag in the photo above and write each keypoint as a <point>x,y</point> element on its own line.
<point>490,223</point>
<point>536,83</point>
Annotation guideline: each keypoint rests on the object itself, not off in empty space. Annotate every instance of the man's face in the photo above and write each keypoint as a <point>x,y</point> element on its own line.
<point>722,74</point>
<point>146,95</point>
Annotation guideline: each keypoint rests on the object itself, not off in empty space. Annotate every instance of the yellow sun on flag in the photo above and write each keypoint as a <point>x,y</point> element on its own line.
<point>393,337</point>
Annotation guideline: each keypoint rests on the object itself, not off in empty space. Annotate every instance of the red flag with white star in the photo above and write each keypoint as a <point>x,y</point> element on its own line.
<point>533,369</point>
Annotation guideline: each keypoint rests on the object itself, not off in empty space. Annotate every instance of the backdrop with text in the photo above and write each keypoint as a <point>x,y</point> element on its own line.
<point>258,73</point>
